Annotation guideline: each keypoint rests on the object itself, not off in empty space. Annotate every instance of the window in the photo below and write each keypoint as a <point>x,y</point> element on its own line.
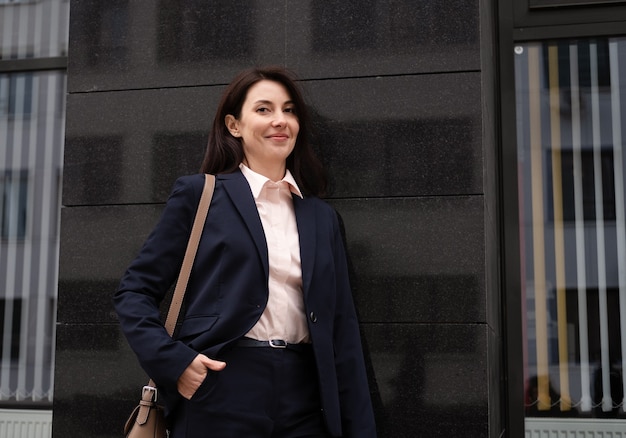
<point>571,117</point>
<point>31,156</point>
<point>11,311</point>
<point>32,121</point>
<point>14,189</point>
<point>19,101</point>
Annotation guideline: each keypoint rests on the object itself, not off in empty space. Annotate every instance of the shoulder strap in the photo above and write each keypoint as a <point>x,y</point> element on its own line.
<point>190,253</point>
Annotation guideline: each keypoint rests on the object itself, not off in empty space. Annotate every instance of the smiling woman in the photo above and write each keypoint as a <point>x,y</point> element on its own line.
<point>268,128</point>
<point>282,356</point>
<point>225,152</point>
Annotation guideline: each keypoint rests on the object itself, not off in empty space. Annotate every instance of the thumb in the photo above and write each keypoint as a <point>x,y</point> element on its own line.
<point>212,364</point>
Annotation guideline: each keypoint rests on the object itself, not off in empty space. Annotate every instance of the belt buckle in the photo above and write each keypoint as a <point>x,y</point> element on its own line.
<point>278,343</point>
<point>151,389</point>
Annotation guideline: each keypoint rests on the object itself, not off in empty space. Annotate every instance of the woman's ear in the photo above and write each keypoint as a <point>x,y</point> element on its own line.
<point>232,124</point>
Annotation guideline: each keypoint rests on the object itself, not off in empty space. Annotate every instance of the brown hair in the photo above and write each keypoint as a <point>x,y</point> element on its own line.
<point>224,152</point>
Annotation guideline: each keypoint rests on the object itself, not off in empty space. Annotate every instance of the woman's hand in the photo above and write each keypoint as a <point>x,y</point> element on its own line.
<point>193,376</point>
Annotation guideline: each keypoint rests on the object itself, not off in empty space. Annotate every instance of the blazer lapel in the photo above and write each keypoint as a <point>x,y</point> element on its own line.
<point>305,218</point>
<point>239,192</point>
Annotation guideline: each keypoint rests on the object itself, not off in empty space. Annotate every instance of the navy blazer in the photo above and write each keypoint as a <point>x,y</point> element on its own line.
<point>228,291</point>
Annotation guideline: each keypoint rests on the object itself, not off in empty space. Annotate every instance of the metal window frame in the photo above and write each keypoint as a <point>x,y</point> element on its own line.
<point>566,20</point>
<point>33,64</point>
<point>17,2</point>
<point>520,22</point>
<point>535,4</point>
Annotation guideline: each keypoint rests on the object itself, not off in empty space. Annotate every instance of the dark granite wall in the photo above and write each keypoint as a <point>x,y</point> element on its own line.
<point>397,90</point>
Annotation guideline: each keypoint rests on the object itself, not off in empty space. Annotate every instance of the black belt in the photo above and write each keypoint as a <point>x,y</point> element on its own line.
<point>273,343</point>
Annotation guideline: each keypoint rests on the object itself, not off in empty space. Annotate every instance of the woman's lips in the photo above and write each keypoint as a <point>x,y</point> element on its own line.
<point>278,136</point>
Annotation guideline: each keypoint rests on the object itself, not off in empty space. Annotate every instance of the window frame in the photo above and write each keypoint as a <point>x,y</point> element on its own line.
<point>28,65</point>
<point>594,17</point>
<point>520,22</point>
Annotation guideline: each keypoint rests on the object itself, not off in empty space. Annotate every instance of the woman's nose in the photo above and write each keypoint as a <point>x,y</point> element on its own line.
<point>279,120</point>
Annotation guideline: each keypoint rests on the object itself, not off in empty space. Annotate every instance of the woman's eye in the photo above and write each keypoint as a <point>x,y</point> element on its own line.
<point>262,110</point>
<point>290,110</point>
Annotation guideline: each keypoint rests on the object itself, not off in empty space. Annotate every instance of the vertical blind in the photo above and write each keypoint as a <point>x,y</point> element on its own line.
<point>570,112</point>
<point>32,120</point>
<point>34,28</point>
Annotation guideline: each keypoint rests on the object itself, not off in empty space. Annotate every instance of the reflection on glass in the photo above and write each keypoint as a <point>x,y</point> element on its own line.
<point>338,25</point>
<point>570,113</point>
<point>33,29</point>
<point>90,162</point>
<point>174,154</point>
<point>407,163</point>
<point>105,36</point>
<point>195,31</point>
<point>32,120</point>
<point>14,194</point>
<point>16,96</point>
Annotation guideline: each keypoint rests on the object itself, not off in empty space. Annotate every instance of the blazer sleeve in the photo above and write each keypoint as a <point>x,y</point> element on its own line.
<point>357,414</point>
<point>148,279</point>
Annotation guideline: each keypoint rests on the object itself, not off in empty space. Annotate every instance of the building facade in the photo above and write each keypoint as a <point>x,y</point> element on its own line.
<point>395,92</point>
<point>475,150</point>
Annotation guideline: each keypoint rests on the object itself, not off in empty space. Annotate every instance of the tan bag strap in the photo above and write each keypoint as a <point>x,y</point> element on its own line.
<point>190,253</point>
<point>185,271</point>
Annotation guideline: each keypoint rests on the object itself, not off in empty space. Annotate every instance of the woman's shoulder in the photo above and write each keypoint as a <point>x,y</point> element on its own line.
<point>194,182</point>
<point>196,179</point>
<point>188,187</point>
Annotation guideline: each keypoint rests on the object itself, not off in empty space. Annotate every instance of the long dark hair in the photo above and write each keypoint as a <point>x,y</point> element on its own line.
<point>224,152</point>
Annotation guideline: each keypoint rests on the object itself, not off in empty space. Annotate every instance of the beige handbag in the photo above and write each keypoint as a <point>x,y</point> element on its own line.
<point>148,420</point>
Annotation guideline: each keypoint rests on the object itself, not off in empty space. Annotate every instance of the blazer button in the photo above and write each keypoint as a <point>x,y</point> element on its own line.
<point>313,317</point>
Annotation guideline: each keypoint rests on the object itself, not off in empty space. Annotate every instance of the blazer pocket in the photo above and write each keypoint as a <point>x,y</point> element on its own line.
<point>194,325</point>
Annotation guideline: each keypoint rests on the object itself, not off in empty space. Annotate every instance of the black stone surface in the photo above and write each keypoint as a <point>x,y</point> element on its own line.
<point>395,90</point>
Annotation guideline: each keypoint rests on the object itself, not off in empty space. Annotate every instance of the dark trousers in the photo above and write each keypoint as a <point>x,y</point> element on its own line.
<point>262,393</point>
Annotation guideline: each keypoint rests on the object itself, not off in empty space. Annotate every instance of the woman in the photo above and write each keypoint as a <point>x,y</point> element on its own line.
<point>269,343</point>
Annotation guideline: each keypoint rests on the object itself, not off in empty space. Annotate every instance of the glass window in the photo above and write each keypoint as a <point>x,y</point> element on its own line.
<point>571,110</point>
<point>33,28</point>
<point>31,156</point>
<point>13,187</point>
<point>32,121</point>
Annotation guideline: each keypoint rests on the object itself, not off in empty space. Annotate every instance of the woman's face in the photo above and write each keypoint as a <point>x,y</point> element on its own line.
<point>268,128</point>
